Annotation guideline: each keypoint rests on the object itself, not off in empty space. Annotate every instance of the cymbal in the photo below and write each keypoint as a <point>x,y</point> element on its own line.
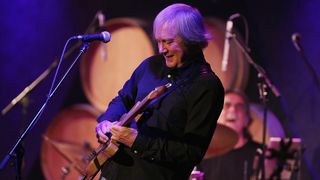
<point>223,140</point>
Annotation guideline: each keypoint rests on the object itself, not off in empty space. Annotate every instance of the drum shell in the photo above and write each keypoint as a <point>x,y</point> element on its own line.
<point>71,130</point>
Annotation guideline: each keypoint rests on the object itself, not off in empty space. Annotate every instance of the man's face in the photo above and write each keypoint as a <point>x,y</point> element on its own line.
<point>171,47</point>
<point>234,113</point>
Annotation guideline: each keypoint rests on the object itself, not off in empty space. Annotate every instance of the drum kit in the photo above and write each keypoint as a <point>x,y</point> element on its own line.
<point>282,160</point>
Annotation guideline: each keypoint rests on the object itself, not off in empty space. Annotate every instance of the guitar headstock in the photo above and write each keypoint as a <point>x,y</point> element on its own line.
<point>158,91</point>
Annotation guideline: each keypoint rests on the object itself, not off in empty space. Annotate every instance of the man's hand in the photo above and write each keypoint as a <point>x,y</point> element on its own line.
<point>124,135</point>
<point>102,129</point>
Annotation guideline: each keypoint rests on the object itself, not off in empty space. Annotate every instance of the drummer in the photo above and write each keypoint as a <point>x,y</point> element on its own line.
<point>237,163</point>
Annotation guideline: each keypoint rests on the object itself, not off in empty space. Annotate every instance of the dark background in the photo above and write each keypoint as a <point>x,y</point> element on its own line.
<point>33,34</point>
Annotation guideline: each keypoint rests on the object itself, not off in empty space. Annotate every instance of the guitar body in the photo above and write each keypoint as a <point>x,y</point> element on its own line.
<point>98,157</point>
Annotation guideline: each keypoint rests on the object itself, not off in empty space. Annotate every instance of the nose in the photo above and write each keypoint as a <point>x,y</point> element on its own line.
<point>231,109</point>
<point>162,49</point>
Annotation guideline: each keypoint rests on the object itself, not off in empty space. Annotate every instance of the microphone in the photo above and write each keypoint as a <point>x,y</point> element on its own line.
<point>226,48</point>
<point>103,36</point>
<point>296,38</point>
<point>296,41</point>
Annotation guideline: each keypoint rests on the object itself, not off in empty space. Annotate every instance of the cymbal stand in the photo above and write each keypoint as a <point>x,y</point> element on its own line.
<point>263,97</point>
<point>262,85</point>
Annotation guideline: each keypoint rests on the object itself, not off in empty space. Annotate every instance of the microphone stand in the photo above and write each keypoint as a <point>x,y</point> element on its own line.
<point>23,99</point>
<point>310,68</point>
<point>262,85</point>
<point>18,150</point>
<point>15,151</point>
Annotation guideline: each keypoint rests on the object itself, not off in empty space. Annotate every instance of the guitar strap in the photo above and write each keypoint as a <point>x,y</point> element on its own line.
<point>176,84</point>
<point>173,86</point>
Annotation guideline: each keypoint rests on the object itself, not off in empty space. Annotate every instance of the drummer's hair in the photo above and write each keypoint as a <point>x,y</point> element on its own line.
<point>247,109</point>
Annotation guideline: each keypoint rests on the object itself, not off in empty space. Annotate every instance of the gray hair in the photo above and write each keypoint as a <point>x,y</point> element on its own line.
<point>186,21</point>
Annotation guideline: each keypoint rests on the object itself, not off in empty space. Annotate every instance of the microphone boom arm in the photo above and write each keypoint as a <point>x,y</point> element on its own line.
<point>262,74</point>
<point>44,74</point>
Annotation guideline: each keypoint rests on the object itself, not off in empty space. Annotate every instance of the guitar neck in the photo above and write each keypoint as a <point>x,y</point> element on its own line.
<point>136,109</point>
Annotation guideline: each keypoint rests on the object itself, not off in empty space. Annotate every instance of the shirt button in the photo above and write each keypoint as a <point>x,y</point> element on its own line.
<point>169,76</point>
<point>152,159</point>
<point>135,151</point>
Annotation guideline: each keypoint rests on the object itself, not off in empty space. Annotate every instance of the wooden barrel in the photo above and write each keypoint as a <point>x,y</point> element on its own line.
<point>105,67</point>
<point>69,138</point>
<point>237,72</point>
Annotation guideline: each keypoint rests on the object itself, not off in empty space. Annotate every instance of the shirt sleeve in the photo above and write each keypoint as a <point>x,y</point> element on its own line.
<point>204,104</point>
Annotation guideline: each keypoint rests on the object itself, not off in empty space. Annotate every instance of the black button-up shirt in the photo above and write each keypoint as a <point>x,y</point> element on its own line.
<point>175,131</point>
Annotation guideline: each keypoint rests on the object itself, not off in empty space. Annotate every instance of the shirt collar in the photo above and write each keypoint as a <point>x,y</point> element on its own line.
<point>185,71</point>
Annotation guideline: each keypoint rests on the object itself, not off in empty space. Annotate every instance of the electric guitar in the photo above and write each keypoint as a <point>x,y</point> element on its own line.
<point>97,157</point>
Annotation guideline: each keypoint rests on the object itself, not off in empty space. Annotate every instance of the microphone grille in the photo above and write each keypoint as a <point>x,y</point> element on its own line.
<point>296,41</point>
<point>106,36</point>
<point>296,37</point>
